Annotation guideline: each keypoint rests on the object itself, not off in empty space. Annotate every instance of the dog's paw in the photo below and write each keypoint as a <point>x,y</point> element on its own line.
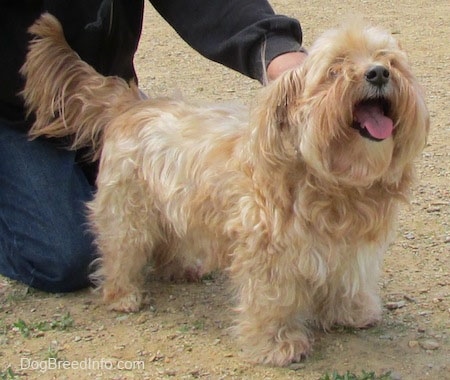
<point>368,322</point>
<point>128,303</point>
<point>282,349</point>
<point>177,273</point>
<point>363,318</point>
<point>283,353</point>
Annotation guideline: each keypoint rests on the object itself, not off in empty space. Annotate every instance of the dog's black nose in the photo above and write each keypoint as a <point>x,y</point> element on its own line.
<point>377,75</point>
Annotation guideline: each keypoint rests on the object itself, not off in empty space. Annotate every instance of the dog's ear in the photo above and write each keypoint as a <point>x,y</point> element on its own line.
<point>283,94</point>
<point>274,116</point>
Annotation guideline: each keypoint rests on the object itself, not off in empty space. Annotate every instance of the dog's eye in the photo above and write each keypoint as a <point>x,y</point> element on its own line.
<point>336,67</point>
<point>333,72</point>
<point>385,55</point>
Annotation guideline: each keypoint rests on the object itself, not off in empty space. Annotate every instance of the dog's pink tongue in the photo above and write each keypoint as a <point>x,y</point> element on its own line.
<point>371,117</point>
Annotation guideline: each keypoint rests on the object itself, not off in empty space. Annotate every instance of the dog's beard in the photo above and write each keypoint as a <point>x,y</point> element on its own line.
<point>340,152</point>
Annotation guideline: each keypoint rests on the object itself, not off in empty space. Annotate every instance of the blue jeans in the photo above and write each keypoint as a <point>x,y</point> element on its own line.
<point>44,241</point>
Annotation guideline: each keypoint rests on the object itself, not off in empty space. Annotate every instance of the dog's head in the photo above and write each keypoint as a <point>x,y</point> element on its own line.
<point>354,112</point>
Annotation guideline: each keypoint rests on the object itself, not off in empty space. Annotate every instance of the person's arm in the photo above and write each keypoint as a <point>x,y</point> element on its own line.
<point>245,35</point>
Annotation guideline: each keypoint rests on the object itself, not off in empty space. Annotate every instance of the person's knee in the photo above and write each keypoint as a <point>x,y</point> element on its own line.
<point>66,275</point>
<point>51,267</point>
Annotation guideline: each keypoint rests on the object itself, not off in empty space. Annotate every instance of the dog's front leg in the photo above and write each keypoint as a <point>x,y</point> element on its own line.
<point>270,325</point>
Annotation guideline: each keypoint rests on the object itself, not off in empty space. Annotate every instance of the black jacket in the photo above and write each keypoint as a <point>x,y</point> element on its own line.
<point>105,33</point>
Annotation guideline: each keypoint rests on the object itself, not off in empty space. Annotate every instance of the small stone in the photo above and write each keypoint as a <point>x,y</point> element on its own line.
<point>413,344</point>
<point>296,366</point>
<point>156,357</point>
<point>395,305</point>
<point>195,373</point>
<point>409,298</point>
<point>141,319</point>
<point>429,344</point>
<point>410,236</point>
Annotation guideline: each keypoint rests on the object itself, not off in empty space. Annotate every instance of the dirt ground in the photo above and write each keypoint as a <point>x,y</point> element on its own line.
<point>184,333</point>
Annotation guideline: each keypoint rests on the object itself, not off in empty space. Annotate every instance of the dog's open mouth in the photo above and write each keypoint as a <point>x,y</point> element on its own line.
<point>370,118</point>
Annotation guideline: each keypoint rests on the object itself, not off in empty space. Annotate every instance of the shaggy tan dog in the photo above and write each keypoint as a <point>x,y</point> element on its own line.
<point>298,199</point>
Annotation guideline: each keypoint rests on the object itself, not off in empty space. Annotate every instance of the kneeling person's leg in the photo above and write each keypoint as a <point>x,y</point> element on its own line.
<point>44,240</point>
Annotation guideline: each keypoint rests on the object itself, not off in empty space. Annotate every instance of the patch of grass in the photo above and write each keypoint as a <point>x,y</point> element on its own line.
<point>199,324</point>
<point>8,374</point>
<point>351,376</point>
<point>63,323</point>
<point>22,327</point>
<point>184,329</point>
<point>52,353</point>
<point>60,324</point>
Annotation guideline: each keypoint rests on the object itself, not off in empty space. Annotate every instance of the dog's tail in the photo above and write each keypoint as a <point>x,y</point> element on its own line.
<point>68,97</point>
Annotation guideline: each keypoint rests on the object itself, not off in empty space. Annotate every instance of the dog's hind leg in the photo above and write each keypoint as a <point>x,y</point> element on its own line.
<point>126,234</point>
<point>177,267</point>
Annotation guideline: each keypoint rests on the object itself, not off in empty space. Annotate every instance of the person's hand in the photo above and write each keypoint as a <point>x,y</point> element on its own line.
<point>284,62</point>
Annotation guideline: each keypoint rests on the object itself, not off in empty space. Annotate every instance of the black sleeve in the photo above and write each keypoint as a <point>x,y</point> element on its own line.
<point>241,34</point>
